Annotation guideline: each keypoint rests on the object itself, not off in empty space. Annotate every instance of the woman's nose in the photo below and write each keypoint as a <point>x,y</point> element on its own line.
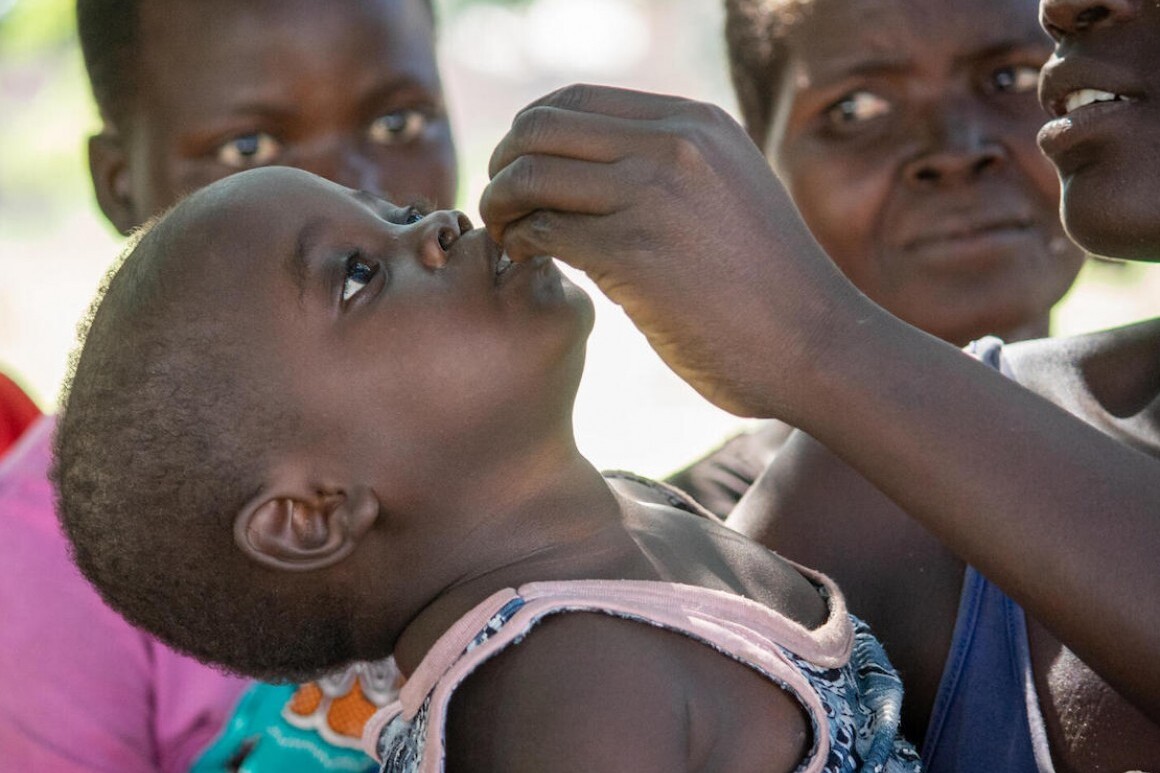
<point>436,233</point>
<point>960,145</point>
<point>1063,18</point>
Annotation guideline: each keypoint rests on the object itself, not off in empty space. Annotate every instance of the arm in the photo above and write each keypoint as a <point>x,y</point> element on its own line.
<point>719,479</point>
<point>669,207</point>
<point>590,692</point>
<point>562,700</point>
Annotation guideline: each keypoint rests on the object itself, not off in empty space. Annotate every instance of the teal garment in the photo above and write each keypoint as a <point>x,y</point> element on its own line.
<point>256,739</point>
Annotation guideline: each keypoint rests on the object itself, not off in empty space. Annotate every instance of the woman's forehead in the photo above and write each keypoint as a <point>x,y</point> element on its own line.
<point>850,30</point>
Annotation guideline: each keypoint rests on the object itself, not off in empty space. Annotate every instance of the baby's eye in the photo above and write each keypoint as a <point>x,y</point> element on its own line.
<point>247,150</point>
<point>398,127</point>
<point>857,107</point>
<point>412,215</point>
<point>1016,79</point>
<point>359,273</point>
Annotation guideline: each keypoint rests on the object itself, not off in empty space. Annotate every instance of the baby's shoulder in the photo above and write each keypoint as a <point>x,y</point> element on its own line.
<point>591,691</point>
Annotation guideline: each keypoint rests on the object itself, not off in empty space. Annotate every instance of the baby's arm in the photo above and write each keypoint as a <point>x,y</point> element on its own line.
<point>670,208</point>
<point>586,692</point>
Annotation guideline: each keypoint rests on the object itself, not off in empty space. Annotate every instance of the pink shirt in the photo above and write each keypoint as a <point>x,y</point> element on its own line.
<point>80,689</point>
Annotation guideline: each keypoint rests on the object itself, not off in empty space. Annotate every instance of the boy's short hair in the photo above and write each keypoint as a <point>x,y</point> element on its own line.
<point>110,33</point>
<point>161,442</point>
<point>110,38</point>
<point>755,33</point>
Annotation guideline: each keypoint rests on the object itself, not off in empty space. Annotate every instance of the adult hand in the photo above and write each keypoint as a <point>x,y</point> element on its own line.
<point>672,210</point>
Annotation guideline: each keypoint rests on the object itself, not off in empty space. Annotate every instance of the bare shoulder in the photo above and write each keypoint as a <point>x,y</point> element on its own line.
<point>1110,379</point>
<point>587,691</point>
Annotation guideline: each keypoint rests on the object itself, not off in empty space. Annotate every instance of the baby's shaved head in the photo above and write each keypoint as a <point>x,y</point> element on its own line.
<point>164,436</point>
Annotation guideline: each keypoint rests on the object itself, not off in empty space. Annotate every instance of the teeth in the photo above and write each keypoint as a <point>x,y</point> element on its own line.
<point>1085,97</point>
<point>503,264</point>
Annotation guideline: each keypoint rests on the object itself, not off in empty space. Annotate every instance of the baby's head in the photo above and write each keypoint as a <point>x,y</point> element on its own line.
<point>191,91</point>
<point>283,406</point>
<point>905,131</point>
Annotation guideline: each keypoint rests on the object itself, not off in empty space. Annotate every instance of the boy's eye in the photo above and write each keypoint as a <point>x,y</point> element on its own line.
<point>359,273</point>
<point>398,127</point>
<point>1016,79</point>
<point>858,107</point>
<point>247,150</point>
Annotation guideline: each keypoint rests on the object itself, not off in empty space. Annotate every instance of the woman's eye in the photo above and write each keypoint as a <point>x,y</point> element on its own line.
<point>359,274</point>
<point>398,127</point>
<point>858,107</point>
<point>1016,79</point>
<point>247,150</point>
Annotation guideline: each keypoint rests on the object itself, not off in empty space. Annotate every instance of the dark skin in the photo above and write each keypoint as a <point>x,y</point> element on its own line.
<point>650,195</point>
<point>350,90</point>
<point>905,132</point>
<point>352,94</point>
<point>394,334</point>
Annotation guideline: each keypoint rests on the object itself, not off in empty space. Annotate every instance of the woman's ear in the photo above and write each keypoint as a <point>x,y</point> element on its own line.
<point>109,168</point>
<point>296,527</point>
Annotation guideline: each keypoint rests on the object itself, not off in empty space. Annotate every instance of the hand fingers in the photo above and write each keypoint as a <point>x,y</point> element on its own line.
<point>557,132</point>
<point>612,101</point>
<point>575,239</point>
<point>537,182</point>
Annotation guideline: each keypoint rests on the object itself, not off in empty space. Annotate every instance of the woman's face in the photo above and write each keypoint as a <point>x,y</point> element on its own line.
<point>905,130</point>
<point>1102,86</point>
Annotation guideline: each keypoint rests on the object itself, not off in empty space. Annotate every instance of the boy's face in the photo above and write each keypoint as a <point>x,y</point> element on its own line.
<point>905,131</point>
<point>348,90</point>
<point>1106,142</point>
<point>410,362</point>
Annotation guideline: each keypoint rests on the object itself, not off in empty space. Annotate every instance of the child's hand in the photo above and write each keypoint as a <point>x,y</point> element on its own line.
<point>672,210</point>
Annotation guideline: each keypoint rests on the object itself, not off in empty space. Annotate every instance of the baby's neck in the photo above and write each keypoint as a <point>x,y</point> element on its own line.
<point>570,527</point>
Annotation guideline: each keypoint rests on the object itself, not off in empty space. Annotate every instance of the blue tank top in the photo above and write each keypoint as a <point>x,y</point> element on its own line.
<point>986,715</point>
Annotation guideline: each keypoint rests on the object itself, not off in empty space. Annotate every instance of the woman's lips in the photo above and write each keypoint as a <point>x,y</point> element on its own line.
<point>971,245</point>
<point>1090,100</point>
<point>1088,122</point>
<point>967,229</point>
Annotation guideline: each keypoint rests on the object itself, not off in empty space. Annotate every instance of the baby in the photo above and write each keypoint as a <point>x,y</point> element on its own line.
<point>344,430</point>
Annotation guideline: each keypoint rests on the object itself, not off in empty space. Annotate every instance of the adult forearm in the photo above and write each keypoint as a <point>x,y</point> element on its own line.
<point>1062,517</point>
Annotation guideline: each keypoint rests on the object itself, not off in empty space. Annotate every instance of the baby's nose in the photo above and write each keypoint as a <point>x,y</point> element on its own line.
<point>436,233</point>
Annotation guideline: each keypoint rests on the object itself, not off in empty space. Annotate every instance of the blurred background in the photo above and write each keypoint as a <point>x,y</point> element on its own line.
<point>497,56</point>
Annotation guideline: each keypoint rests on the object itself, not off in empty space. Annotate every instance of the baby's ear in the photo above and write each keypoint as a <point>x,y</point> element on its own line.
<point>297,527</point>
<point>112,183</point>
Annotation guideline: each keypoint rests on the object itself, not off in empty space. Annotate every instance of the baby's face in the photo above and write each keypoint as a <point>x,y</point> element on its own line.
<point>345,89</point>
<point>906,134</point>
<point>1103,89</point>
<point>407,344</point>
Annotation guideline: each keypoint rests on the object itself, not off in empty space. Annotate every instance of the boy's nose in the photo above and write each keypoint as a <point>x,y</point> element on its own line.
<point>342,162</point>
<point>436,233</point>
<point>1067,17</point>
